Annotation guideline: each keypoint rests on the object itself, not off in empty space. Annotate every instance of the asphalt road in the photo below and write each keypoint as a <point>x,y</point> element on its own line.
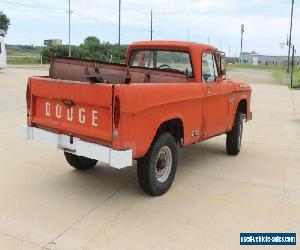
<point>45,204</point>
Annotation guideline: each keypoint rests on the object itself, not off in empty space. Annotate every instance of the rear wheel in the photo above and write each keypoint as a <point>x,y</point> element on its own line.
<point>156,170</point>
<point>80,162</point>
<point>234,137</point>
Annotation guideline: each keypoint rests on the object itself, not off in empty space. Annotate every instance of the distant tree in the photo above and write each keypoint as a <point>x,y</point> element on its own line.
<point>92,41</point>
<point>4,24</point>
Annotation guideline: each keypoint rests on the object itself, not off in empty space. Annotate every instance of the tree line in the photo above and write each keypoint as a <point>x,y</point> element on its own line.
<point>92,48</point>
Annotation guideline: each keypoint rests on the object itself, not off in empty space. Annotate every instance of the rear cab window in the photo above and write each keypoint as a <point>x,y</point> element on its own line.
<point>174,61</point>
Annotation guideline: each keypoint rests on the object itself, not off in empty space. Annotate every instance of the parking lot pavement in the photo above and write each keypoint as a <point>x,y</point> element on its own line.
<point>46,204</point>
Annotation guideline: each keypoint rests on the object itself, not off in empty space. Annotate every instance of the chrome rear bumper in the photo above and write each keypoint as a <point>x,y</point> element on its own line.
<point>116,159</point>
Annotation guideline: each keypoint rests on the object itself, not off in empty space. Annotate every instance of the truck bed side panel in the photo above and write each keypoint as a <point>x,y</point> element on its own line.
<point>92,71</point>
<point>147,106</point>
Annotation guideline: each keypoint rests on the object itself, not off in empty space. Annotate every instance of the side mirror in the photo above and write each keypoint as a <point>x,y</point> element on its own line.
<point>221,59</point>
<point>223,65</point>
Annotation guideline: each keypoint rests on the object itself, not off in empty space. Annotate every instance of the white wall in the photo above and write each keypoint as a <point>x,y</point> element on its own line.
<point>2,54</point>
<point>246,58</point>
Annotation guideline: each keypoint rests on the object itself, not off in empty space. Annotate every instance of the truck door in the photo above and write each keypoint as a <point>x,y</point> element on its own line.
<point>215,108</point>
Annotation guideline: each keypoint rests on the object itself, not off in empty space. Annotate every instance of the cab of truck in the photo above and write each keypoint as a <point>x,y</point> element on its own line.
<point>175,56</point>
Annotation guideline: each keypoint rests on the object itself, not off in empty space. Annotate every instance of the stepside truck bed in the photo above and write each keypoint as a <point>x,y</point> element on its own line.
<point>73,108</point>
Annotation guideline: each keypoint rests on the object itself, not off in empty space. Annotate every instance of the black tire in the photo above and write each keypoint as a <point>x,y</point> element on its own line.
<point>156,170</point>
<point>234,137</point>
<point>80,162</point>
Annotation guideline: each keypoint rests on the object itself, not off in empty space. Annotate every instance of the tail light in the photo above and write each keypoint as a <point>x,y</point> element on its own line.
<point>117,111</point>
<point>28,95</point>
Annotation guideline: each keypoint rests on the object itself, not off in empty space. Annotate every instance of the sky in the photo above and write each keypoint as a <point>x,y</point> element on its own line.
<point>217,22</point>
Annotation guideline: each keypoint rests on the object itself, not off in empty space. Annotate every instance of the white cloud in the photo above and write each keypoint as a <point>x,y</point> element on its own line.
<point>266,21</point>
<point>204,6</point>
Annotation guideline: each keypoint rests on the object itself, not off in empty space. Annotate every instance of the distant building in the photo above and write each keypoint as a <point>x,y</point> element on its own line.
<point>257,59</point>
<point>52,42</point>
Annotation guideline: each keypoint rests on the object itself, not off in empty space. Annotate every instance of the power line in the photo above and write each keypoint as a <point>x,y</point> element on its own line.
<point>242,36</point>
<point>290,37</point>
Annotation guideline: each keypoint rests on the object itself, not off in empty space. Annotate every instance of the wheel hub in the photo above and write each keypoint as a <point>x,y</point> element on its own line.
<point>163,164</point>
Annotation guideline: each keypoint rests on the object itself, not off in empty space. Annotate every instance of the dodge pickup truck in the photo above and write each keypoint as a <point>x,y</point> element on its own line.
<point>167,95</point>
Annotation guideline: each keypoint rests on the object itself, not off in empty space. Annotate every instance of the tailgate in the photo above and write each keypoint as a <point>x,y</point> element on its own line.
<point>72,108</point>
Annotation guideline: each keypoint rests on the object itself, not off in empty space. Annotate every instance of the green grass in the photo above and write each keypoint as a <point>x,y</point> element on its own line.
<point>22,56</point>
<point>21,52</point>
<point>296,79</point>
<point>23,60</point>
<point>297,75</point>
<point>278,74</point>
<point>276,70</point>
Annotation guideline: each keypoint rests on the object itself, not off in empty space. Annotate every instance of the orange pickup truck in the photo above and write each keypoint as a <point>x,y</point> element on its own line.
<point>167,94</point>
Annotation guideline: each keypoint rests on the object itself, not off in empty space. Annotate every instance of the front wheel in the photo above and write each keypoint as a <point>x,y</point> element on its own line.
<point>234,137</point>
<point>80,162</point>
<point>156,170</point>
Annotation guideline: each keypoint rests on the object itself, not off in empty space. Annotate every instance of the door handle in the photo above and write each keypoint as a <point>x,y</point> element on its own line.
<point>208,90</point>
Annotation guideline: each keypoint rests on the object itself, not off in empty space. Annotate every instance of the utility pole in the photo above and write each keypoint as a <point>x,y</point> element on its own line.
<point>70,52</point>
<point>208,40</point>
<point>188,34</point>
<point>119,47</point>
<point>290,38</point>
<point>293,58</point>
<point>242,35</point>
<point>151,25</point>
